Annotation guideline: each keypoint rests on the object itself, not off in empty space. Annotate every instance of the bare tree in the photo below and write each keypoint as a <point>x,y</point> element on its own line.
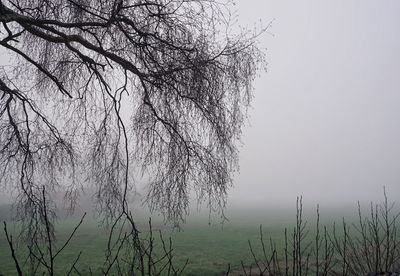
<point>98,89</point>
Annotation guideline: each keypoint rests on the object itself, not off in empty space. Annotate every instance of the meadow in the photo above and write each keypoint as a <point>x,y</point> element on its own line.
<point>204,246</point>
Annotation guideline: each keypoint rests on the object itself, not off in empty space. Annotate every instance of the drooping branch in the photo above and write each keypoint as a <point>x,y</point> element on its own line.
<point>157,86</point>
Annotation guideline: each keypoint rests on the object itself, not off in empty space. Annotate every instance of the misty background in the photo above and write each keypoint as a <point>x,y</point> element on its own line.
<point>325,118</point>
<point>324,122</point>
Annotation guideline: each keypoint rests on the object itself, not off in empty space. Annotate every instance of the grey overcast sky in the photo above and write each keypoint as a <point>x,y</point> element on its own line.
<point>325,121</point>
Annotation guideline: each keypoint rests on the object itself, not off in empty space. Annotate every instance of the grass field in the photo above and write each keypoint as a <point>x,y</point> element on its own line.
<point>209,248</point>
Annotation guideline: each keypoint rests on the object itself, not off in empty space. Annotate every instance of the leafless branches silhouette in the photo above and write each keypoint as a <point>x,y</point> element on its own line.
<point>98,89</point>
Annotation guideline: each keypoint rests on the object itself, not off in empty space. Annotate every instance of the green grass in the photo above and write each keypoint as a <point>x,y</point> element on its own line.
<point>209,248</point>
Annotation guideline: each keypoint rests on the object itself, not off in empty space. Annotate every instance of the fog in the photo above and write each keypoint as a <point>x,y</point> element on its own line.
<point>325,118</point>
